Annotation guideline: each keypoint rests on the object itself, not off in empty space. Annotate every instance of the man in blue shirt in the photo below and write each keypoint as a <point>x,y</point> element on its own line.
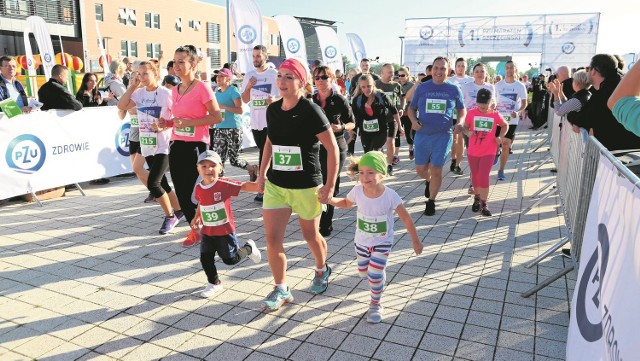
<point>10,87</point>
<point>435,101</point>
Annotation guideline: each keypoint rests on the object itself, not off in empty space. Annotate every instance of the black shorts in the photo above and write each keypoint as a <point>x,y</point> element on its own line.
<point>511,133</point>
<point>225,246</point>
<point>392,129</point>
<point>134,147</point>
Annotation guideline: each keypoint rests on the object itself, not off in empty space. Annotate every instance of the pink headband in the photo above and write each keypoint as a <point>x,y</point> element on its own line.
<point>296,67</point>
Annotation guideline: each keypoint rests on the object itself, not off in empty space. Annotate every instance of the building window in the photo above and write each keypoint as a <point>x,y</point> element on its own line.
<point>213,33</point>
<point>156,21</point>
<point>153,50</point>
<point>147,20</point>
<point>127,16</point>
<point>152,20</point>
<point>99,13</point>
<point>124,48</point>
<point>179,25</point>
<point>133,47</point>
<point>214,57</point>
<point>194,24</point>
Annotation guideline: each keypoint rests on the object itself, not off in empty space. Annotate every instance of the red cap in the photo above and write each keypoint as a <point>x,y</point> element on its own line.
<point>296,67</point>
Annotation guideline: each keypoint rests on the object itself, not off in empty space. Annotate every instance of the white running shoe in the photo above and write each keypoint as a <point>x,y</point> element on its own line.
<point>211,290</point>
<point>255,255</point>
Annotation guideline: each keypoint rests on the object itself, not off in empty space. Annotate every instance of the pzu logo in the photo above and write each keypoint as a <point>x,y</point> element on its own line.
<point>26,154</point>
<point>293,45</point>
<point>122,139</point>
<point>331,51</point>
<point>426,32</point>
<point>247,34</point>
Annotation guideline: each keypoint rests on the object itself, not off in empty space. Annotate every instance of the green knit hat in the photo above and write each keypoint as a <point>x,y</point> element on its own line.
<point>376,160</point>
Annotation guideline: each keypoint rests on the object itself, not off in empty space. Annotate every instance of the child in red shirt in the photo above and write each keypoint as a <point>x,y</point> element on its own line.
<point>480,126</point>
<point>215,215</point>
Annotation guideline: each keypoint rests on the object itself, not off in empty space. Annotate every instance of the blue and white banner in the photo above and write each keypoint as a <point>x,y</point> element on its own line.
<point>569,40</point>
<point>247,22</point>
<point>38,27</point>
<point>604,318</point>
<point>357,47</point>
<point>292,38</point>
<point>330,47</point>
<point>49,149</point>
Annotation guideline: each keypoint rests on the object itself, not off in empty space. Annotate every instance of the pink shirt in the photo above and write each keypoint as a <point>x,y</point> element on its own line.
<point>192,106</point>
<point>483,141</point>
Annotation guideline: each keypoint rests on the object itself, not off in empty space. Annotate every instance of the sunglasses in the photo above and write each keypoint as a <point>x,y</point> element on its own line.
<point>323,77</point>
<point>402,75</point>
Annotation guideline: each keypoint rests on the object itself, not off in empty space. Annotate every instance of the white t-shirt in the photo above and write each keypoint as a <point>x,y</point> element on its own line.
<point>266,85</point>
<point>470,90</point>
<point>460,81</point>
<point>509,96</point>
<point>375,216</point>
<point>150,106</point>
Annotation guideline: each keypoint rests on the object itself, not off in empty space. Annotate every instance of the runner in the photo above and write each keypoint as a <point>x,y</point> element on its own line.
<point>365,66</point>
<point>435,101</point>
<point>259,90</point>
<point>457,149</point>
<point>512,101</point>
<point>295,125</point>
<point>405,81</point>
<point>152,102</point>
<point>338,112</point>
<point>393,91</point>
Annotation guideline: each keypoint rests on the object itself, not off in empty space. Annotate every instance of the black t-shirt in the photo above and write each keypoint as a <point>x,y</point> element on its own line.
<point>297,127</point>
<point>338,111</point>
<point>381,107</point>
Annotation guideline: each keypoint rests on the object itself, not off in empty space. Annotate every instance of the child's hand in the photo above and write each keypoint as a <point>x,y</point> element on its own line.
<point>417,248</point>
<point>195,222</point>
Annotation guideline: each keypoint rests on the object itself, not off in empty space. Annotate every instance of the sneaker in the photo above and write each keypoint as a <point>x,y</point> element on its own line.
<point>259,197</point>
<point>396,160</point>
<point>453,165</point>
<point>476,204</point>
<point>390,170</point>
<point>276,298</point>
<point>169,224</point>
<point>375,313</point>
<point>411,154</point>
<point>326,232</point>
<point>179,214</point>
<point>430,208</point>
<point>320,281</point>
<point>458,171</point>
<point>510,151</point>
<point>194,237</point>
<point>255,255</point>
<point>426,189</point>
<point>471,190</point>
<point>211,289</point>
<point>485,210</point>
<point>501,175</point>
<point>150,199</point>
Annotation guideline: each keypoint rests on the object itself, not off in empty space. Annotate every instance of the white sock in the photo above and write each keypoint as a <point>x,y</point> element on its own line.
<point>282,286</point>
<point>323,269</point>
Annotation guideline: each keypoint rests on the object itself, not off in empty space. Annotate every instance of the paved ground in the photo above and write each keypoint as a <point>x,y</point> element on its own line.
<point>89,278</point>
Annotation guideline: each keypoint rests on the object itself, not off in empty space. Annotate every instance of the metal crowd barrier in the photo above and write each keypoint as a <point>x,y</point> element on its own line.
<point>550,129</point>
<point>554,142</point>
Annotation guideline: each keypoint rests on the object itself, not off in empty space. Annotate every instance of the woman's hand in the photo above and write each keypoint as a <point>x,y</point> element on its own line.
<point>417,248</point>
<point>261,181</point>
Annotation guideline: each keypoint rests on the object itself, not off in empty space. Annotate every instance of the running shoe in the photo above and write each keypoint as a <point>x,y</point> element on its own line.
<point>259,197</point>
<point>426,189</point>
<point>276,298</point>
<point>476,204</point>
<point>396,160</point>
<point>169,224</point>
<point>179,214</point>
<point>194,237</point>
<point>453,165</point>
<point>501,175</point>
<point>255,255</point>
<point>326,232</point>
<point>390,170</point>
<point>485,210</point>
<point>430,208</point>
<point>497,158</point>
<point>411,154</point>
<point>320,281</point>
<point>150,199</point>
<point>375,313</point>
<point>211,290</point>
<point>458,171</point>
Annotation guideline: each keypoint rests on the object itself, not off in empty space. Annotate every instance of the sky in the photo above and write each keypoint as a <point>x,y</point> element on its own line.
<point>380,23</point>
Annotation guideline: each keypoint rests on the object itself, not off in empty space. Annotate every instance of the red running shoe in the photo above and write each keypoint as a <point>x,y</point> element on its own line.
<point>194,237</point>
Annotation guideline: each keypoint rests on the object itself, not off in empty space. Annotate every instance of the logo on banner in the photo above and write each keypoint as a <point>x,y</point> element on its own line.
<point>330,51</point>
<point>26,154</point>
<point>247,34</point>
<point>122,139</point>
<point>47,58</point>
<point>293,45</point>
<point>560,29</point>
<point>568,47</point>
<point>426,32</point>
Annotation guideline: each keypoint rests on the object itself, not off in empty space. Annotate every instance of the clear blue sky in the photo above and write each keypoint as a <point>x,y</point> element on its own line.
<point>379,23</point>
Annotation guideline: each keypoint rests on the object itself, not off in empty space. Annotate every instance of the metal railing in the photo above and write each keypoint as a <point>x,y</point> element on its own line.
<point>57,11</point>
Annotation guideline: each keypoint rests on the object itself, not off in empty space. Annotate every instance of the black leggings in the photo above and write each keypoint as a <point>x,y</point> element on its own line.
<point>183,159</point>
<point>157,182</point>
<point>326,219</point>
<point>373,142</point>
<point>260,137</point>
<point>409,133</point>
<point>227,249</point>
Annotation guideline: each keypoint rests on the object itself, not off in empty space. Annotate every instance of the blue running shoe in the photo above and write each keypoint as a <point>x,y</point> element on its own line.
<point>169,224</point>
<point>276,298</point>
<point>320,281</point>
<point>501,175</point>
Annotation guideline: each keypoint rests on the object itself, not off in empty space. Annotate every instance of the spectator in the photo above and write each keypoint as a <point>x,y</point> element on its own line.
<point>54,93</point>
<point>10,87</point>
<point>538,101</point>
<point>625,101</point>
<point>170,70</point>
<point>113,81</point>
<point>570,107</point>
<point>170,81</point>
<point>88,93</point>
<point>595,116</point>
<point>128,63</point>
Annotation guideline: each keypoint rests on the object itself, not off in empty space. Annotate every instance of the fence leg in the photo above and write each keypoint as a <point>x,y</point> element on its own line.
<point>80,189</point>
<point>537,193</point>
<point>547,282</point>
<point>33,194</point>
<point>546,141</point>
<point>541,162</point>
<point>546,253</point>
<point>553,191</point>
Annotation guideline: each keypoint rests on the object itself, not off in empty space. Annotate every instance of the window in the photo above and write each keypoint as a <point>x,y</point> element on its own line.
<point>157,48</point>
<point>124,48</point>
<point>99,13</point>
<point>179,25</point>
<point>147,20</point>
<point>156,21</point>
<point>214,57</point>
<point>127,16</point>
<point>152,20</point>
<point>194,24</point>
<point>213,33</point>
<point>153,50</point>
<point>133,49</point>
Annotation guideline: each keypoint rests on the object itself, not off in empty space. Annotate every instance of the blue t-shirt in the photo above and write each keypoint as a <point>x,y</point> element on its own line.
<point>627,112</point>
<point>435,105</point>
<point>226,98</point>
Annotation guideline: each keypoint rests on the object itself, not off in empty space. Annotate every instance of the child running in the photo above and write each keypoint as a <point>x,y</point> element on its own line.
<point>374,231</point>
<point>480,126</point>
<point>215,215</point>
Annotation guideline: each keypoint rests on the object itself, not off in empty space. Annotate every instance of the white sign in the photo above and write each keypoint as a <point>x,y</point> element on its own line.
<point>330,47</point>
<point>248,31</point>
<point>357,47</point>
<point>54,148</point>
<point>292,38</point>
<point>604,317</point>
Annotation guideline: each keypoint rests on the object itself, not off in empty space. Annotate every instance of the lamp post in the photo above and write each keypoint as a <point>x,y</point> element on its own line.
<point>401,48</point>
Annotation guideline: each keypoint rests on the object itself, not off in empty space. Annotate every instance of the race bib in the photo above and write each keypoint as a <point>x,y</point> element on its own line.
<point>222,113</point>
<point>370,125</point>
<point>288,159</point>
<point>437,106</point>
<point>134,121</point>
<point>506,117</point>
<point>482,124</point>
<point>259,102</point>
<point>374,226</point>
<point>214,215</point>
<point>185,132</point>
<point>148,139</point>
